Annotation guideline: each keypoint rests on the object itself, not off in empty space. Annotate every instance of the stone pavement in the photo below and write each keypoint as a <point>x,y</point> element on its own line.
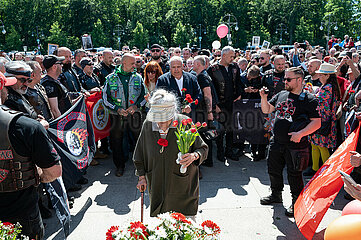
<point>229,196</point>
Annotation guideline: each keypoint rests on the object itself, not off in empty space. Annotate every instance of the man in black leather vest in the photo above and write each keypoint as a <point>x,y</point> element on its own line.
<point>105,67</point>
<point>27,157</point>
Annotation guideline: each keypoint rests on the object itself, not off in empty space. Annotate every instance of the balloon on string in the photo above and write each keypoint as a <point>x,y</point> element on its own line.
<point>344,228</point>
<point>216,44</point>
<point>353,207</point>
<point>222,30</point>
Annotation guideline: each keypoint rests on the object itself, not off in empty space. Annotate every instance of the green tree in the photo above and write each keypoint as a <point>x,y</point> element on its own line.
<point>183,35</point>
<point>57,36</point>
<point>98,35</point>
<point>140,36</point>
<point>12,39</point>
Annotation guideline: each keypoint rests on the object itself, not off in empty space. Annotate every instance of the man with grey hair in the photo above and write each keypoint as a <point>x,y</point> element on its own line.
<point>122,94</point>
<point>16,101</point>
<point>242,64</point>
<point>79,54</point>
<point>225,75</point>
<point>180,83</point>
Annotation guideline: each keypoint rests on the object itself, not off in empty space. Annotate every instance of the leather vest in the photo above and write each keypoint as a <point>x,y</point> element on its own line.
<point>18,102</point>
<point>16,172</point>
<point>70,80</point>
<point>273,83</point>
<point>222,80</point>
<point>38,99</point>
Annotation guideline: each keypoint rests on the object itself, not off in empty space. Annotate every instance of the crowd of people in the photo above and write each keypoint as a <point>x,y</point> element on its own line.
<point>306,94</point>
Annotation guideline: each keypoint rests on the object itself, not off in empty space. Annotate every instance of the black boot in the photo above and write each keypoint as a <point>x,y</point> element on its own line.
<point>290,211</point>
<point>275,197</point>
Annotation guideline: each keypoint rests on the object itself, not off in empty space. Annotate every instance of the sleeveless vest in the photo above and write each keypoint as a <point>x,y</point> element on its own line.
<point>16,172</point>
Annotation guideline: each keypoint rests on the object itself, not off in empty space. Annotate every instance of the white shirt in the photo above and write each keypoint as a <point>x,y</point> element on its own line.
<point>180,83</point>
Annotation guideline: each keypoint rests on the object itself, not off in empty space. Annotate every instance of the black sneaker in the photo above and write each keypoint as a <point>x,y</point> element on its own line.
<point>119,172</point>
<point>290,211</point>
<point>255,157</point>
<point>83,181</point>
<point>232,156</point>
<point>273,198</point>
<point>309,172</point>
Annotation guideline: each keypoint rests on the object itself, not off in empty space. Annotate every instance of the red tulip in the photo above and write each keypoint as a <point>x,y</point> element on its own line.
<point>193,130</point>
<point>131,101</point>
<point>184,122</point>
<point>184,89</point>
<point>196,102</point>
<point>189,120</point>
<point>198,124</point>
<point>175,123</point>
<point>204,124</point>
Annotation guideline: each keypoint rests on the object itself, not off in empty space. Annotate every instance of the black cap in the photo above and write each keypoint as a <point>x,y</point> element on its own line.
<point>204,52</point>
<point>85,61</point>
<point>155,46</point>
<point>50,60</point>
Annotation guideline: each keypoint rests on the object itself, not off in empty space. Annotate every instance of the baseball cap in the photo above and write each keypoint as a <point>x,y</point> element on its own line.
<point>6,81</point>
<point>50,60</point>
<point>85,61</point>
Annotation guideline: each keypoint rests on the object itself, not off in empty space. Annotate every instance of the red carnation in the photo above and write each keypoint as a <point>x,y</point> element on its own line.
<point>163,142</point>
<point>196,102</point>
<point>193,130</point>
<point>184,89</point>
<point>110,232</point>
<point>175,123</point>
<point>198,124</point>
<point>352,91</point>
<point>211,225</point>
<point>184,122</point>
<point>131,101</point>
<point>189,98</point>
<point>204,124</point>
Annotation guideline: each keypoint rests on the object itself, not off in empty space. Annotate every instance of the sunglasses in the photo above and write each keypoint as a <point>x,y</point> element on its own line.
<point>24,80</point>
<point>290,79</point>
<point>262,58</point>
<point>139,61</point>
<point>90,64</point>
<point>153,72</point>
<point>177,52</point>
<point>155,50</point>
<point>59,63</point>
<point>217,55</point>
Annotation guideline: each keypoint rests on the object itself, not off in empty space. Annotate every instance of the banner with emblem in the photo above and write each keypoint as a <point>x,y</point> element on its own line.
<point>73,137</point>
<point>249,122</point>
<point>317,196</point>
<point>99,115</point>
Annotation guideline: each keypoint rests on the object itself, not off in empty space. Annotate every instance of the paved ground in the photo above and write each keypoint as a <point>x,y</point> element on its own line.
<point>229,196</point>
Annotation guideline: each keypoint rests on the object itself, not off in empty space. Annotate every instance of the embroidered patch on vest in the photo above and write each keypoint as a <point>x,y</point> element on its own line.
<point>6,155</point>
<point>3,174</point>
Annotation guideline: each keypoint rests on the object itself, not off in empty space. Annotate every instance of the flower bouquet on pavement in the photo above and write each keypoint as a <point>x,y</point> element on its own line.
<point>164,227</point>
<point>186,134</point>
<point>9,231</point>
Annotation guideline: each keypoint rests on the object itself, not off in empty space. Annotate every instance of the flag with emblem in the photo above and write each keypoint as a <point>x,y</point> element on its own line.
<point>73,137</point>
<point>99,115</point>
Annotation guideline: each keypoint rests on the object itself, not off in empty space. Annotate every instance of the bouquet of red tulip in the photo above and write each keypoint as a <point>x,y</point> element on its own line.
<point>186,133</point>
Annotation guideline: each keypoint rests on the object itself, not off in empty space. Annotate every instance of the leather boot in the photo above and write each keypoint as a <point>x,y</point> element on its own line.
<point>275,197</point>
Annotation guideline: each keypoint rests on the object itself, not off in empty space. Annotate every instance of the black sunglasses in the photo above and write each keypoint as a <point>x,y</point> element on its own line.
<point>290,79</point>
<point>139,61</point>
<point>155,50</point>
<point>24,80</point>
<point>262,58</point>
<point>151,72</point>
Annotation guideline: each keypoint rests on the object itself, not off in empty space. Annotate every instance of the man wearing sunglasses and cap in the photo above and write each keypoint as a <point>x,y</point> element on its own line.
<point>15,99</point>
<point>27,157</point>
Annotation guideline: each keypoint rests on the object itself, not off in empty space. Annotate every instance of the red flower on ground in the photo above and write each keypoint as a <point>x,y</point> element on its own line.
<point>211,225</point>
<point>193,130</point>
<point>189,120</point>
<point>184,89</point>
<point>196,102</point>
<point>204,124</point>
<point>184,122</point>
<point>198,124</point>
<point>131,101</point>
<point>175,123</point>
<point>134,226</point>
<point>110,232</point>
<point>163,142</point>
<point>180,217</point>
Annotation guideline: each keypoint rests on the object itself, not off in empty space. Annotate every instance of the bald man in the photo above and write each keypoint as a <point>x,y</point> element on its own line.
<point>122,94</point>
<point>312,67</point>
<point>105,67</point>
<point>68,77</point>
<point>274,78</point>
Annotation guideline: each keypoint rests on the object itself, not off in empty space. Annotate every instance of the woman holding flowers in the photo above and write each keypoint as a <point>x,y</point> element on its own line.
<point>156,157</point>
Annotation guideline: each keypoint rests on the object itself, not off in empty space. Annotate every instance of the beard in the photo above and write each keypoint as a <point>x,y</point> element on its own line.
<point>21,90</point>
<point>155,57</point>
<point>66,66</point>
<point>288,88</point>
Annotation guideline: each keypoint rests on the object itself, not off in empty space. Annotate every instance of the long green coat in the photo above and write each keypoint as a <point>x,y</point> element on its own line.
<point>169,190</point>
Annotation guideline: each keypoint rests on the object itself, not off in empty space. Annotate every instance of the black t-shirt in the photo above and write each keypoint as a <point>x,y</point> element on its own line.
<point>54,89</point>
<point>289,106</point>
<point>29,139</point>
<point>264,69</point>
<point>315,82</point>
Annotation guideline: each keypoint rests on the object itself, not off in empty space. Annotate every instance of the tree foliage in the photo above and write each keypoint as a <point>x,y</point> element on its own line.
<point>173,22</point>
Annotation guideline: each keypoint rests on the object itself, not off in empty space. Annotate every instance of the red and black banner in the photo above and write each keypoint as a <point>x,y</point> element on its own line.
<point>73,137</point>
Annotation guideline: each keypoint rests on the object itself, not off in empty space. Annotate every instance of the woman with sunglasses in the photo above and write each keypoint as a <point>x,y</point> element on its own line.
<point>151,74</point>
<point>328,98</point>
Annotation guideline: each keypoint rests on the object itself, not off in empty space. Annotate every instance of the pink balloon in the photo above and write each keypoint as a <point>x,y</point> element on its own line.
<point>353,207</point>
<point>222,30</point>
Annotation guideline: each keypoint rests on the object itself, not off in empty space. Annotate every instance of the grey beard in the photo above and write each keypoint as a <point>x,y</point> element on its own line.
<point>20,91</point>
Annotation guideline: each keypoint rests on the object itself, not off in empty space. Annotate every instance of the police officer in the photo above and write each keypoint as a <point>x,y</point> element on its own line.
<point>27,158</point>
<point>289,105</point>
<point>122,93</point>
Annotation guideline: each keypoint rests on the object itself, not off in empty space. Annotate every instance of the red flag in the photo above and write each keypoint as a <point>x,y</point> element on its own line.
<point>317,196</point>
<point>99,115</point>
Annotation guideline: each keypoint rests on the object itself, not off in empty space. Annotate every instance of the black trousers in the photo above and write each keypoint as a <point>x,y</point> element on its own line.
<point>279,156</point>
<point>120,126</point>
<point>261,148</point>
<point>31,224</point>
<point>226,119</point>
